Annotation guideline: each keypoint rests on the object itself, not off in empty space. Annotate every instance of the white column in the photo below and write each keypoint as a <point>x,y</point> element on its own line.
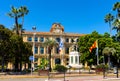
<point>70,60</point>
<point>44,50</point>
<point>38,49</point>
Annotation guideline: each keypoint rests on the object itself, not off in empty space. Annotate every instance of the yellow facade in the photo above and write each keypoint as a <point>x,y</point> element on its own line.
<point>56,32</point>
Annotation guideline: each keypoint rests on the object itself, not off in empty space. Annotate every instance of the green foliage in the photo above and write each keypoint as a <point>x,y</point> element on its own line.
<point>116,22</point>
<point>5,45</point>
<point>60,68</point>
<point>109,17</point>
<point>43,64</point>
<point>12,46</point>
<point>85,42</point>
<point>17,13</point>
<point>50,43</point>
<point>102,66</point>
<point>116,45</point>
<point>106,35</point>
<point>109,51</point>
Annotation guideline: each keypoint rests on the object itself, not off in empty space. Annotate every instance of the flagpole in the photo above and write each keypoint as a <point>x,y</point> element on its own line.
<point>61,50</point>
<point>97,53</point>
<point>95,45</point>
<point>97,56</point>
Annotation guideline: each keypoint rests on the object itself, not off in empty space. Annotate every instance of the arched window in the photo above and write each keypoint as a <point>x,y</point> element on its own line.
<point>67,40</point>
<point>29,39</point>
<point>71,59</point>
<point>41,39</point>
<point>67,50</point>
<point>58,40</point>
<point>76,60</point>
<point>36,39</point>
<point>57,61</point>
<point>77,40</point>
<point>36,50</point>
<point>57,50</point>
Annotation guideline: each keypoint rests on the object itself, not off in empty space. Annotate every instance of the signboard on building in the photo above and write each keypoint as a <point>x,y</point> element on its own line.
<point>31,58</point>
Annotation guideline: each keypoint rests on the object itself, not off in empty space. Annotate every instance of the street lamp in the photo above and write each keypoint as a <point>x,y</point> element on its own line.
<point>34,28</point>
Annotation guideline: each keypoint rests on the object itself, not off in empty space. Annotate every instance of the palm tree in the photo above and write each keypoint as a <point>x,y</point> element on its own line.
<point>24,11</point>
<point>116,7</point>
<point>108,19</point>
<point>19,28</point>
<point>16,13</point>
<point>50,43</point>
<point>116,25</point>
<point>108,51</point>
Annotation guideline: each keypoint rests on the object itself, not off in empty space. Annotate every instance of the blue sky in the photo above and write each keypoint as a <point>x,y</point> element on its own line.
<point>77,16</point>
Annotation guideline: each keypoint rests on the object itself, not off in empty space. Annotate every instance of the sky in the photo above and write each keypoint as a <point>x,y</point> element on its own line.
<point>76,16</point>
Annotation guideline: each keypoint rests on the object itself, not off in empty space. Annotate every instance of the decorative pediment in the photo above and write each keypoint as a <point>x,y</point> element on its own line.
<point>57,28</point>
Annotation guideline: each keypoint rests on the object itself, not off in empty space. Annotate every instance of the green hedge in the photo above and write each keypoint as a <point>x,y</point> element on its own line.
<point>60,68</point>
<point>101,66</point>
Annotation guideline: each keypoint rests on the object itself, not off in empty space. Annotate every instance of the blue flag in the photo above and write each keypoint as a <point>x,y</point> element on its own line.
<point>61,45</point>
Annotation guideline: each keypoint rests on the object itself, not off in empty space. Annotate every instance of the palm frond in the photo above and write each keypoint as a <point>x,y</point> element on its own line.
<point>50,43</point>
<point>116,6</point>
<point>108,51</point>
<point>109,18</point>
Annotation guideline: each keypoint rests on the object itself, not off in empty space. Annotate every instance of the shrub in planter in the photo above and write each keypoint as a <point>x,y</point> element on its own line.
<point>101,68</point>
<point>60,68</point>
<point>43,72</point>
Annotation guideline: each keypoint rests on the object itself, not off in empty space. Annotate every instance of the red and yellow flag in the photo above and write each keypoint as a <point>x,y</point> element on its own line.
<point>94,45</point>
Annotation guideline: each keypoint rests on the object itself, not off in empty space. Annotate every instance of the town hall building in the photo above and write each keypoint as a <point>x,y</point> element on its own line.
<point>56,32</point>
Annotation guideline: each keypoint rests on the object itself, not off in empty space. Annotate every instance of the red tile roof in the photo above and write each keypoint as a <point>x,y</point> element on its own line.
<point>49,33</point>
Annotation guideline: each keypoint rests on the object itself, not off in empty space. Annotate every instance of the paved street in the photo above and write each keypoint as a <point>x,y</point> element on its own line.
<point>72,78</point>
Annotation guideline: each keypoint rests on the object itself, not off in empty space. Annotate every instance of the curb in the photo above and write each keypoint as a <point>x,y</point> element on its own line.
<point>36,76</point>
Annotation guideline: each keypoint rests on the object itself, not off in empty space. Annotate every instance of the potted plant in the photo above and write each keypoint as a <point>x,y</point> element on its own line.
<point>43,68</point>
<point>101,68</point>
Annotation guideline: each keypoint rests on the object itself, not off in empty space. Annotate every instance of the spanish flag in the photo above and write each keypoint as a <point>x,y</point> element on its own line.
<point>94,45</point>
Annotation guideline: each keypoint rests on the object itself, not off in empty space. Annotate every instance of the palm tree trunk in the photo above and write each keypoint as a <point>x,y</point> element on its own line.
<point>22,25</point>
<point>104,59</point>
<point>50,59</point>
<point>110,28</point>
<point>117,68</point>
<point>20,65</point>
<point>16,64</point>
<point>109,61</point>
<point>16,22</point>
<point>2,64</point>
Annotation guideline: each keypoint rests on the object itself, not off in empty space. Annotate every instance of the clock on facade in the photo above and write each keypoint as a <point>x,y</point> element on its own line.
<point>58,30</point>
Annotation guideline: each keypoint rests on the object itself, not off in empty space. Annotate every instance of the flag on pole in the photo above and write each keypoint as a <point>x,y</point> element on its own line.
<point>61,45</point>
<point>94,45</point>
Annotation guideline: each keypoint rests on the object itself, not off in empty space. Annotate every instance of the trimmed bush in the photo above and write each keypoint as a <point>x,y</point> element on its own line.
<point>101,66</point>
<point>60,68</point>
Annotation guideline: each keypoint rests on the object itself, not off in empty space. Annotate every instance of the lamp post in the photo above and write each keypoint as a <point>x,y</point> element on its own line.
<point>34,28</point>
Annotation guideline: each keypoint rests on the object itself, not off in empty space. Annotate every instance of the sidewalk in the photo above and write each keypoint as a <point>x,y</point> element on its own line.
<point>41,78</point>
<point>68,77</point>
